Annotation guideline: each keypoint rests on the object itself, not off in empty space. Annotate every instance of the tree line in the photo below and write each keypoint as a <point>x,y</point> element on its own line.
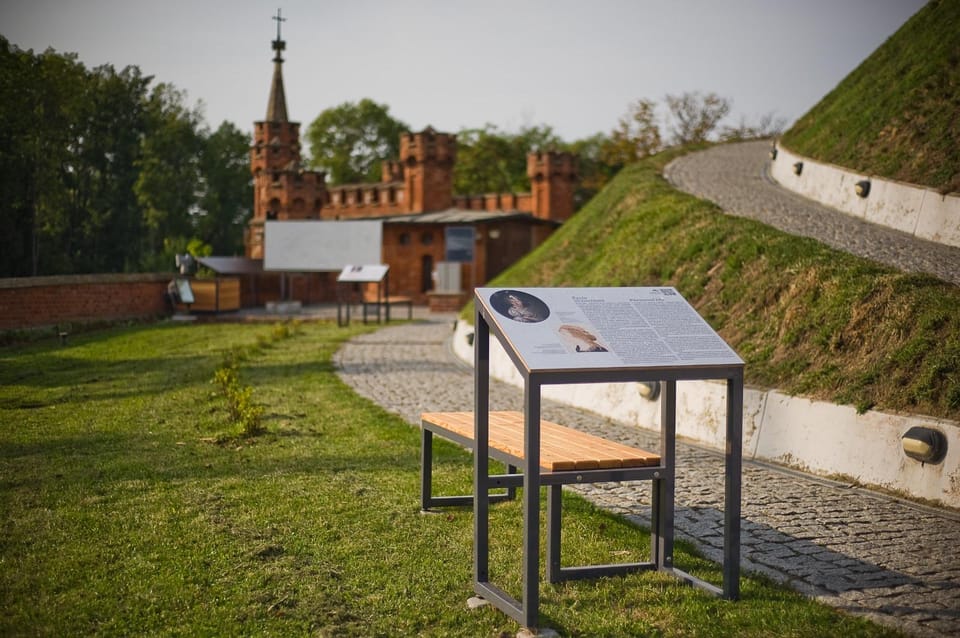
<point>349,142</point>
<point>108,171</point>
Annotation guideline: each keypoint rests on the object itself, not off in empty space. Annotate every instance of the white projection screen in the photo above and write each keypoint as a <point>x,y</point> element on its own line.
<point>315,246</point>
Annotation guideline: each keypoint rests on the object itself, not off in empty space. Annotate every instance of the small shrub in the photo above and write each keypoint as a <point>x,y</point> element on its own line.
<point>240,405</point>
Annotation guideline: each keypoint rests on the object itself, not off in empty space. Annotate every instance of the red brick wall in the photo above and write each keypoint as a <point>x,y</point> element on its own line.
<point>359,201</point>
<point>404,249</point>
<point>492,202</point>
<point>31,302</point>
<point>553,180</point>
<point>428,158</point>
<point>307,288</point>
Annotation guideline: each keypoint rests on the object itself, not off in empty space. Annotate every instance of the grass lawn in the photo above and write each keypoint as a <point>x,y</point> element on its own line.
<point>129,505</point>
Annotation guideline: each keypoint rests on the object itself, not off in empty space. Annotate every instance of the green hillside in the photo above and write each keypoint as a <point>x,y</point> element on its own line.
<point>898,114</point>
<point>807,319</point>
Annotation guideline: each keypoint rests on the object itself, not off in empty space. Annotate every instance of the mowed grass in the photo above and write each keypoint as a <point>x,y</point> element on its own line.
<point>130,506</point>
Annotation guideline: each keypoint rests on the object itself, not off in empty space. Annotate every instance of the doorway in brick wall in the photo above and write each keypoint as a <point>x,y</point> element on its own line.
<point>426,273</point>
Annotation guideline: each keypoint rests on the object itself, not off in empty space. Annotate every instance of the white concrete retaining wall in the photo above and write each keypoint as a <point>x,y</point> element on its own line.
<point>813,436</point>
<point>919,211</point>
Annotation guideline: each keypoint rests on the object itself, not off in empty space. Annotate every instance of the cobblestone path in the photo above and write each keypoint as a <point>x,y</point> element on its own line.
<point>734,176</point>
<point>867,554</point>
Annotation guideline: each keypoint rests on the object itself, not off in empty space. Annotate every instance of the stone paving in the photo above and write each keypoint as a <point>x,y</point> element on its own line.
<point>735,177</point>
<point>868,554</point>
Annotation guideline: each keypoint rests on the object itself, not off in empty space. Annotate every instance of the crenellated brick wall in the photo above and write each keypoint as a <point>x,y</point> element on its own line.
<point>33,302</point>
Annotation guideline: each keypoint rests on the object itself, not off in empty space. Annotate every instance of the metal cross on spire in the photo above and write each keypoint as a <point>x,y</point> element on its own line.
<point>279,19</point>
<point>278,44</point>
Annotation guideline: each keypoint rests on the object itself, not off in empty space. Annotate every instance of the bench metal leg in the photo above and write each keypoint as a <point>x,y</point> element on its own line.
<point>428,500</point>
<point>661,527</point>
<point>556,573</point>
<point>554,526</point>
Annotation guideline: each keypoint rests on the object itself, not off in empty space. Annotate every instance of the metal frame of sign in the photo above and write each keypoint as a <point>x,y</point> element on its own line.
<point>679,346</point>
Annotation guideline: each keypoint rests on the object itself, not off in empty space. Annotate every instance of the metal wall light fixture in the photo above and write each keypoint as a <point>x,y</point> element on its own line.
<point>798,168</point>
<point>924,444</point>
<point>649,390</point>
<point>862,188</point>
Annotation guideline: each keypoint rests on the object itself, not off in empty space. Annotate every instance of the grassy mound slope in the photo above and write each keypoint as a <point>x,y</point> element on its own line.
<point>807,319</point>
<point>897,115</point>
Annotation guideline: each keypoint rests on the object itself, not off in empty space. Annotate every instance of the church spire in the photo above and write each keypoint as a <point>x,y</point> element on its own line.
<point>277,105</point>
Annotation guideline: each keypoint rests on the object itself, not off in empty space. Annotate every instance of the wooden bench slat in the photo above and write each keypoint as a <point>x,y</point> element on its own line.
<point>561,448</point>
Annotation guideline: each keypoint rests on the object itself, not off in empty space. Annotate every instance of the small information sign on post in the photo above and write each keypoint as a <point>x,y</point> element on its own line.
<point>364,274</point>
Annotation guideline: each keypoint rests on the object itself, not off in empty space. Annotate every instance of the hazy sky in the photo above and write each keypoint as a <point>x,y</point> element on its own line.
<point>574,65</point>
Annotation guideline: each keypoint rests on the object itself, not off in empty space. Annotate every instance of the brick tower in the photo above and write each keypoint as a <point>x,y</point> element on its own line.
<point>282,188</point>
<point>428,159</point>
<point>553,180</point>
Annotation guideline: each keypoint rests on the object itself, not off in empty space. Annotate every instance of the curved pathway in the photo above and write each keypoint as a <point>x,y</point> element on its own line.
<point>734,176</point>
<point>867,554</point>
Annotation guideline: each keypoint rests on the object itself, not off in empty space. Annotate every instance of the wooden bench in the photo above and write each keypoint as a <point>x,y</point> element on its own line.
<point>566,456</point>
<point>386,302</point>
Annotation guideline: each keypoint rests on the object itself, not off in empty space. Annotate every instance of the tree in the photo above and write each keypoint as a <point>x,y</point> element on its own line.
<point>637,136</point>
<point>55,89</point>
<point>594,169</point>
<point>767,126</point>
<point>19,151</point>
<point>99,172</point>
<point>695,116</point>
<point>226,189</point>
<point>350,141</point>
<point>109,126</point>
<point>494,161</point>
<point>483,162</point>
<point>168,179</point>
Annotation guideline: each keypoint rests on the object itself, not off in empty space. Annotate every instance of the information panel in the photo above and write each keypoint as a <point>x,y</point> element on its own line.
<point>364,274</point>
<point>316,246</point>
<point>590,328</point>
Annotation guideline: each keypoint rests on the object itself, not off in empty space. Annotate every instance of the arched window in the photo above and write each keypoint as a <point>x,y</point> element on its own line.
<point>273,209</point>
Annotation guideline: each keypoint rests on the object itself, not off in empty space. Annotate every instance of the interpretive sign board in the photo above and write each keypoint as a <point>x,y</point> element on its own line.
<point>567,329</point>
<point>184,291</point>
<point>316,246</point>
<point>597,335</point>
<point>368,274</point>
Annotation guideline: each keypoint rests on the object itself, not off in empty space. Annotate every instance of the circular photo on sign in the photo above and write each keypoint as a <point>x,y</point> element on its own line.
<point>519,306</point>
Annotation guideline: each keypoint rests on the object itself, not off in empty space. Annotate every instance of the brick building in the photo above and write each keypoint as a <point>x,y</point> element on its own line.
<point>414,199</point>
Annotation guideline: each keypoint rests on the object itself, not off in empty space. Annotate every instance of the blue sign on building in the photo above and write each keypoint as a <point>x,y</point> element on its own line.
<point>458,241</point>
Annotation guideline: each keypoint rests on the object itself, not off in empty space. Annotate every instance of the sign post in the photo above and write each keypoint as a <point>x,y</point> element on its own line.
<point>376,273</point>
